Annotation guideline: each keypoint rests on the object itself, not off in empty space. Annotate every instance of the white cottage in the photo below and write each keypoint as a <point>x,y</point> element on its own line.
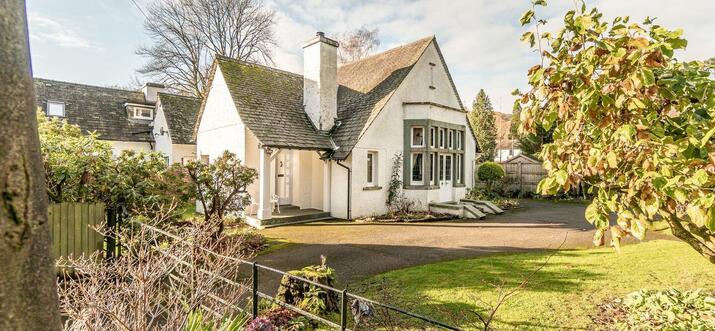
<point>324,141</point>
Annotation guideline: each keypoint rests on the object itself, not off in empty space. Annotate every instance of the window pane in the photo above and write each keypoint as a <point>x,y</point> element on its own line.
<point>369,167</point>
<point>458,168</point>
<point>441,137</point>
<point>441,167</point>
<point>448,167</point>
<point>432,165</point>
<point>451,138</point>
<point>417,167</point>
<point>418,138</point>
<point>431,137</point>
<point>55,109</point>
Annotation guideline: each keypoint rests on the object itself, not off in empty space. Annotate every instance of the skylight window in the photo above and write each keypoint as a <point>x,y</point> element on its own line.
<point>55,108</point>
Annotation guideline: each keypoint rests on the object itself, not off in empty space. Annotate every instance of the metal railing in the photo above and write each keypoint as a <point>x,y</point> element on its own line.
<point>344,295</point>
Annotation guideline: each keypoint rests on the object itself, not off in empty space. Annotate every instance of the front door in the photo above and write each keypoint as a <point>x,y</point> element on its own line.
<point>445,178</point>
<point>283,177</point>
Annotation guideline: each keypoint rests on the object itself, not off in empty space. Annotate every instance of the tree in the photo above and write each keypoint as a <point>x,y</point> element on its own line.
<point>219,185</point>
<point>482,120</point>
<point>357,44</point>
<point>188,34</point>
<point>28,296</point>
<point>630,120</point>
<point>80,168</point>
<point>74,163</point>
<point>529,143</point>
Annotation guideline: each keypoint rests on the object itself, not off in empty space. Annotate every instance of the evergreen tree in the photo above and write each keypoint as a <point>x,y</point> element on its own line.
<point>482,120</point>
<point>531,143</point>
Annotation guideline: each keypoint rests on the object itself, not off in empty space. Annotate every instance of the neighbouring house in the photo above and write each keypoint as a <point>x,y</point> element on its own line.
<point>506,146</point>
<point>145,120</point>
<point>325,140</point>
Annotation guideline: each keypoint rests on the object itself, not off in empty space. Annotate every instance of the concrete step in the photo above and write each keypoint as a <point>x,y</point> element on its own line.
<point>471,211</point>
<point>302,216</point>
<point>485,206</point>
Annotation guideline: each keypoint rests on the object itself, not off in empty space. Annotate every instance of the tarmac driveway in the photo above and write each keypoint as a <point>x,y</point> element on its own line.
<point>359,250</point>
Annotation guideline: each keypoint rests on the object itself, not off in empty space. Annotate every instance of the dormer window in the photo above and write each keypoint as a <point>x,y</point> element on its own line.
<point>55,108</point>
<point>140,112</point>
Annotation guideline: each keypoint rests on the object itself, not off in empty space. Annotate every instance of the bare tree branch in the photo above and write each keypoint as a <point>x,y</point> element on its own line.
<point>188,34</point>
<point>357,44</point>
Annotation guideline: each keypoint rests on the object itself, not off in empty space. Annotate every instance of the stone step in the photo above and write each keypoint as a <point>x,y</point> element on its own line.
<point>471,211</point>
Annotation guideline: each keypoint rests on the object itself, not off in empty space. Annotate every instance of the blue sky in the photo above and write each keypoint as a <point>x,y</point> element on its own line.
<point>93,41</point>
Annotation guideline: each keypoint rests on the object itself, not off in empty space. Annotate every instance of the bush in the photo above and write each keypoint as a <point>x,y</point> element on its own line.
<point>490,171</point>
<point>260,324</point>
<point>663,310</point>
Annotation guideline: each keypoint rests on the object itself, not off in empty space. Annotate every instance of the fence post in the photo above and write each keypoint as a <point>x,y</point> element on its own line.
<point>254,311</point>
<point>521,178</point>
<point>111,221</point>
<point>343,310</point>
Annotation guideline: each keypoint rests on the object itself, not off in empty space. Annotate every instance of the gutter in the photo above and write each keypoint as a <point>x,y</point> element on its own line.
<point>350,172</point>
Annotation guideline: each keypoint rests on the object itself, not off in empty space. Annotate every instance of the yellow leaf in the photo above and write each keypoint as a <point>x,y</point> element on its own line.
<point>612,160</point>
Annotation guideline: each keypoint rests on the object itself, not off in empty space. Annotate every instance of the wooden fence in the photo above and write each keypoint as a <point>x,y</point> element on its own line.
<point>523,177</point>
<point>72,228</point>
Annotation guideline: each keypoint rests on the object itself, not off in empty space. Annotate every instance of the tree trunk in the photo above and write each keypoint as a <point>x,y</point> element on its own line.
<point>28,295</point>
<point>699,244</point>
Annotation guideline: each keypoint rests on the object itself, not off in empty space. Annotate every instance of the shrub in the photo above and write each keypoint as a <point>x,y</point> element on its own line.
<point>153,284</point>
<point>279,316</point>
<point>306,296</point>
<point>490,171</point>
<point>197,321</point>
<point>664,310</point>
<point>260,324</point>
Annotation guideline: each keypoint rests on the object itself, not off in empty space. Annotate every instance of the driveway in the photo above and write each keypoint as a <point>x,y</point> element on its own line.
<point>360,250</point>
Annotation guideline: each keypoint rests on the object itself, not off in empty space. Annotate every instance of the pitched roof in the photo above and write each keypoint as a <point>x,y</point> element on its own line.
<point>270,103</point>
<point>365,86</point>
<point>95,108</point>
<point>180,112</point>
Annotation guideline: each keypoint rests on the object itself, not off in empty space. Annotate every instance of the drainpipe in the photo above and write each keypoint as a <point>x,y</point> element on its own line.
<point>350,172</point>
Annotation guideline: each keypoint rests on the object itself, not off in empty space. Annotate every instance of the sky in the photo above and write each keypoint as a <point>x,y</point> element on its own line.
<point>94,41</point>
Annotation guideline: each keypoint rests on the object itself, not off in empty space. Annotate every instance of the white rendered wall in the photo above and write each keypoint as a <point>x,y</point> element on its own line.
<point>162,143</point>
<point>182,153</point>
<point>385,136</point>
<point>220,129</point>
<point>339,189</point>
<point>119,146</point>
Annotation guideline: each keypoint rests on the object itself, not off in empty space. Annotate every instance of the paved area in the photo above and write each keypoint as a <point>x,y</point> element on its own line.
<point>360,250</point>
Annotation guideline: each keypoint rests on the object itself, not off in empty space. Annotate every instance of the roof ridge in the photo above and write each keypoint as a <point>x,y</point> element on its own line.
<point>179,95</point>
<point>432,37</point>
<point>86,85</point>
<point>253,64</point>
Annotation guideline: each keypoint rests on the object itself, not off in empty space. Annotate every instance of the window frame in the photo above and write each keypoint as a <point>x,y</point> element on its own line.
<point>448,172</point>
<point>441,137</point>
<point>432,138</point>
<point>450,139</point>
<point>57,103</point>
<point>420,169</point>
<point>412,136</point>
<point>458,168</point>
<point>371,178</point>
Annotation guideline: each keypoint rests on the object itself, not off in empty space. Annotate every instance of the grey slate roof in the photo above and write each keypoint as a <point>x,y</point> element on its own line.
<point>180,112</point>
<point>270,103</point>
<point>94,108</point>
<point>365,86</point>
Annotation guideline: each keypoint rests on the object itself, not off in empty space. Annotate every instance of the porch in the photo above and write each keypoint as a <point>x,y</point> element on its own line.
<point>288,214</point>
<point>292,187</point>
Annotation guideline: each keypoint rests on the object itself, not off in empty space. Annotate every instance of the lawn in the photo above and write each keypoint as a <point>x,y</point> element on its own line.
<point>564,294</point>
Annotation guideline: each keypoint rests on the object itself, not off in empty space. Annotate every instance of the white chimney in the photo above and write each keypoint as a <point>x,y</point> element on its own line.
<point>151,90</point>
<point>320,87</point>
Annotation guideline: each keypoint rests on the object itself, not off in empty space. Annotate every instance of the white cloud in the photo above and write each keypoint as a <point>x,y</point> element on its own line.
<point>56,31</point>
<point>479,38</point>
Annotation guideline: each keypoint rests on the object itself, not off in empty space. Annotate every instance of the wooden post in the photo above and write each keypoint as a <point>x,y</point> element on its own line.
<point>521,178</point>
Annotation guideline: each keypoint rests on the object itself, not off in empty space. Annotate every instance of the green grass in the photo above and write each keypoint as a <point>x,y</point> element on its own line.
<point>562,295</point>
